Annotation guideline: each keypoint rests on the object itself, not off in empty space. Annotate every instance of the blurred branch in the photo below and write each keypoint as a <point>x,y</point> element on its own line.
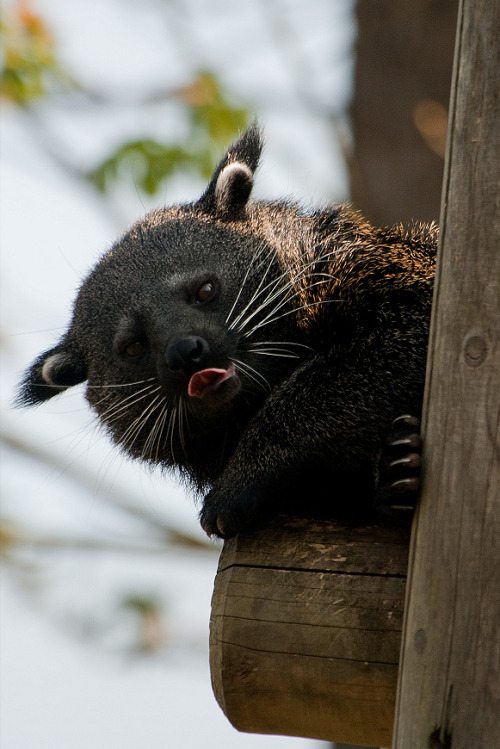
<point>119,499</point>
<point>13,536</point>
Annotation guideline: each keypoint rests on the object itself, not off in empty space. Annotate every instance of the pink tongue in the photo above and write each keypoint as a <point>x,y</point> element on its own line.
<point>207,379</point>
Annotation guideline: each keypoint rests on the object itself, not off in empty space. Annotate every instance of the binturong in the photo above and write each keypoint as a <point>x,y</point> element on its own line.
<point>258,349</point>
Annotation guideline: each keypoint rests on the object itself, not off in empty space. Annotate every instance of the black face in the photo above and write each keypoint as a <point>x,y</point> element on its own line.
<point>181,330</point>
<point>181,341</point>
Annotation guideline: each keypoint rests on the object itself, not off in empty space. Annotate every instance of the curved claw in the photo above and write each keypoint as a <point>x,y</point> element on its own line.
<point>412,461</point>
<point>212,525</point>
<point>400,468</point>
<point>226,512</point>
<point>406,422</point>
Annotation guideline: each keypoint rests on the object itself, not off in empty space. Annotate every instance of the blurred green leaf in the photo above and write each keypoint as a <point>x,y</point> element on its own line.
<point>148,161</point>
<point>213,121</point>
<point>150,613</point>
<point>141,603</point>
<point>29,64</point>
<point>31,72</point>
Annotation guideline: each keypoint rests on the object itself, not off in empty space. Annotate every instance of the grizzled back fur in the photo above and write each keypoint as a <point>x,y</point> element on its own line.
<point>248,344</point>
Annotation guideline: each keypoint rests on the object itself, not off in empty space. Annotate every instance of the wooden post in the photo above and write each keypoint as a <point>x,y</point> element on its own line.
<point>306,629</point>
<point>449,687</point>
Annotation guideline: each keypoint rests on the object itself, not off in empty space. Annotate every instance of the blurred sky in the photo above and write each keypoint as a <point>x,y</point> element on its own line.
<point>70,676</point>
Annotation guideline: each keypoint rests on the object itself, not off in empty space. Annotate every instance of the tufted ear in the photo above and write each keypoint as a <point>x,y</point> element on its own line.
<point>50,374</point>
<point>229,189</point>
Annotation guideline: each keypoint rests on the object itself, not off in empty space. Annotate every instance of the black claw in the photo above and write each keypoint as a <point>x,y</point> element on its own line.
<point>401,486</point>
<point>407,423</point>
<point>408,441</point>
<point>225,513</point>
<point>412,461</point>
<point>400,465</point>
<point>402,509</point>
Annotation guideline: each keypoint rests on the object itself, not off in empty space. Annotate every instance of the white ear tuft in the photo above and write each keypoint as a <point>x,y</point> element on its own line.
<point>51,367</point>
<point>233,187</point>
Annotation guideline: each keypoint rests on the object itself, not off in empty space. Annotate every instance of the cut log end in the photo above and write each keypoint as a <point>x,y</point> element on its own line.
<point>306,628</point>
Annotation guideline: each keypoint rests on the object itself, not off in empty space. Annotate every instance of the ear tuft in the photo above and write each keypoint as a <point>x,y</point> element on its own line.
<point>229,189</point>
<point>50,374</point>
<point>232,189</point>
<point>56,371</point>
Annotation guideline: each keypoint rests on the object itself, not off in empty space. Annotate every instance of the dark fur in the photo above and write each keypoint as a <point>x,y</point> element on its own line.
<point>321,370</point>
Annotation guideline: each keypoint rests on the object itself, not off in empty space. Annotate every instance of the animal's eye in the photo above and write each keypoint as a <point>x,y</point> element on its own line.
<point>135,349</point>
<point>205,292</point>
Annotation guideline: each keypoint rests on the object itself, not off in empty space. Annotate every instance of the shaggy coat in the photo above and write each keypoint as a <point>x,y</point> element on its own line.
<point>258,349</point>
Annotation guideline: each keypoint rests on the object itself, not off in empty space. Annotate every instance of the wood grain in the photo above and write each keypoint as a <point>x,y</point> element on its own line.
<point>449,692</point>
<point>306,629</point>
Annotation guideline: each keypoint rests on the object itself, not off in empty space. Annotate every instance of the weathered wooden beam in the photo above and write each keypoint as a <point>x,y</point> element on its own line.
<point>306,629</point>
<point>449,692</point>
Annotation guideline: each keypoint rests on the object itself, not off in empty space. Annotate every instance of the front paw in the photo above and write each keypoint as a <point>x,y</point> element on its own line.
<point>225,513</point>
<point>399,469</point>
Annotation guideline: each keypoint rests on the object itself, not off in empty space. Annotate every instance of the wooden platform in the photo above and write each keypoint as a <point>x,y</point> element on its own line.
<point>306,629</point>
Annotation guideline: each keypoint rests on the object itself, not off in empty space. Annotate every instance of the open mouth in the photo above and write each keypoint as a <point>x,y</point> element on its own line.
<point>209,380</point>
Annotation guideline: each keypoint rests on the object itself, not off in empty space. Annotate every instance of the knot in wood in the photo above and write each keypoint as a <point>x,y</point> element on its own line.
<point>420,641</point>
<point>475,351</point>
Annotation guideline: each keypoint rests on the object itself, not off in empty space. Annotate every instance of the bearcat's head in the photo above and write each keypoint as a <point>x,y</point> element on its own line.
<point>179,323</point>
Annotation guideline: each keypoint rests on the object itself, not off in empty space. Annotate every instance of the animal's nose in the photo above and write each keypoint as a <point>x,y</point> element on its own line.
<point>187,355</point>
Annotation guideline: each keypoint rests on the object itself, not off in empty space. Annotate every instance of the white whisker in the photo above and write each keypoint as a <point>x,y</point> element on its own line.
<point>164,414</point>
<point>291,312</point>
<point>114,411</point>
<point>258,291</point>
<point>268,352</point>
<point>253,374</point>
<point>275,293</point>
<point>150,441</point>
<point>170,429</point>
<point>132,432</point>
<point>282,303</point>
<point>256,255</point>
<point>120,385</point>
<point>182,417</point>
